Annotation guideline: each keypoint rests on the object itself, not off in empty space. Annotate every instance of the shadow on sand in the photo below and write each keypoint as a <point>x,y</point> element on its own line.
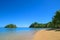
<point>56,29</point>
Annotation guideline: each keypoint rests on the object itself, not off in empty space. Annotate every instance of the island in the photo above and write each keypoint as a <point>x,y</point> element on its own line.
<point>10,26</point>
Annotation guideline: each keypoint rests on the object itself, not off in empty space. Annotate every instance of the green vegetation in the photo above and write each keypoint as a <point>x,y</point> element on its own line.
<point>37,25</point>
<point>10,26</point>
<point>56,20</point>
<point>55,23</point>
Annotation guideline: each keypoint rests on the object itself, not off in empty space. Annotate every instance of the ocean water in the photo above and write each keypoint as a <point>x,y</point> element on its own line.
<point>18,33</point>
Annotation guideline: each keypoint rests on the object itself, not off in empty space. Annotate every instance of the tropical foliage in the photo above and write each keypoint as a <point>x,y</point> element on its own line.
<point>55,23</point>
<point>56,20</point>
<point>37,25</point>
<point>10,26</point>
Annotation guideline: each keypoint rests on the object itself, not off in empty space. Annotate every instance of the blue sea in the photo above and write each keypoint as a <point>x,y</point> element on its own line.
<point>18,33</point>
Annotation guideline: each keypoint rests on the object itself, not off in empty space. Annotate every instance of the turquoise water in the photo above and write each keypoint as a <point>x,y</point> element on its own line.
<point>18,33</point>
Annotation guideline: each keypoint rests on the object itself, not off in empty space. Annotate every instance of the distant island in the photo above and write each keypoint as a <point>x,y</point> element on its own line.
<point>10,26</point>
<point>55,23</point>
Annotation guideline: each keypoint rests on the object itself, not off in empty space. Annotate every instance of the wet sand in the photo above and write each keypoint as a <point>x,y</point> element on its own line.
<point>47,35</point>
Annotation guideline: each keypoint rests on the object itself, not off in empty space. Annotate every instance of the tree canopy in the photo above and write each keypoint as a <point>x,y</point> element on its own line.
<point>37,25</point>
<point>56,19</point>
<point>10,26</point>
<point>55,23</point>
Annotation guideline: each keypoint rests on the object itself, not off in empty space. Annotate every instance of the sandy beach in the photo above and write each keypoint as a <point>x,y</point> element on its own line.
<point>47,35</point>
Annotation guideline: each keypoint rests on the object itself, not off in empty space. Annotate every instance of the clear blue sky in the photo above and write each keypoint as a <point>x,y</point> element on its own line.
<point>24,12</point>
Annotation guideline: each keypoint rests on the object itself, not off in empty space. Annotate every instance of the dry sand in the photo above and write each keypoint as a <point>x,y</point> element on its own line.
<point>47,35</point>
